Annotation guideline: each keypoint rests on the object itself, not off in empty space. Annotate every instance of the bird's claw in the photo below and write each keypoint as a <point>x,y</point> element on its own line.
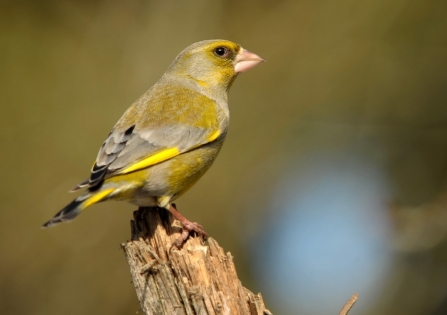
<point>187,230</point>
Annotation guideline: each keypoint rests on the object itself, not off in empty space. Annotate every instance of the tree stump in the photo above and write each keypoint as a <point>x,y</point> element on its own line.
<point>197,279</point>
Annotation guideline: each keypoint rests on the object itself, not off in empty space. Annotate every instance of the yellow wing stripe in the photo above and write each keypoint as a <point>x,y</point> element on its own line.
<point>151,160</point>
<point>214,136</point>
<point>97,197</point>
<point>161,156</point>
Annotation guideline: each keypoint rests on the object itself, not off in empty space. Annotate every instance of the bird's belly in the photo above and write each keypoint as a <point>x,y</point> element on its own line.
<point>177,175</point>
<point>170,178</point>
<point>143,200</point>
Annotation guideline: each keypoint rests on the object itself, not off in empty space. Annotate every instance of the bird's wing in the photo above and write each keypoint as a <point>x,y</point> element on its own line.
<point>125,152</point>
<point>144,144</point>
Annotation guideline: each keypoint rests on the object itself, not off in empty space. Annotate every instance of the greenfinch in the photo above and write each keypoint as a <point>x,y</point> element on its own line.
<point>169,137</point>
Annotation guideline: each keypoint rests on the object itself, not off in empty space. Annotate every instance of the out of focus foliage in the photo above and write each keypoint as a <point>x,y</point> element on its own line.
<point>332,179</point>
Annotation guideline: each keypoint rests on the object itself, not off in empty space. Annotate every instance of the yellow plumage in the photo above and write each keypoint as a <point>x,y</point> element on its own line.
<point>156,158</point>
<point>170,136</point>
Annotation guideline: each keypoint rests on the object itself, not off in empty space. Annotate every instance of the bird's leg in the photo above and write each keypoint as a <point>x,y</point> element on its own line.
<point>188,227</point>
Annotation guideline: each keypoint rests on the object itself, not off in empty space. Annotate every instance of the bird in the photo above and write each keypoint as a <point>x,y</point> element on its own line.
<point>167,139</point>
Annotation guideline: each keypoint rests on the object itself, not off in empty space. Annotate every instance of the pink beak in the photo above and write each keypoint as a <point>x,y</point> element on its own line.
<point>246,60</point>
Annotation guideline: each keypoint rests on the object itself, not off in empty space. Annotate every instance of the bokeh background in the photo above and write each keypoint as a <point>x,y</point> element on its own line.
<point>333,178</point>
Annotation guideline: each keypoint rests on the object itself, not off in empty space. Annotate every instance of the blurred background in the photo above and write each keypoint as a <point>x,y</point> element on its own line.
<point>333,178</point>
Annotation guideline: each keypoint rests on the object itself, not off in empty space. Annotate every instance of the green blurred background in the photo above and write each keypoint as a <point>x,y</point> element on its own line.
<point>337,150</point>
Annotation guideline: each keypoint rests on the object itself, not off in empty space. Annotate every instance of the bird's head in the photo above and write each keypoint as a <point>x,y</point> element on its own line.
<point>213,64</point>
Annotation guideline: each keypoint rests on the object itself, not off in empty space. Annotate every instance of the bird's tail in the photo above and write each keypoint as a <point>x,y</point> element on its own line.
<point>73,209</point>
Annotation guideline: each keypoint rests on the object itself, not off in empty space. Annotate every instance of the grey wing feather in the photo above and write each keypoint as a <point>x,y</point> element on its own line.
<point>144,143</point>
<point>110,149</point>
<point>122,149</point>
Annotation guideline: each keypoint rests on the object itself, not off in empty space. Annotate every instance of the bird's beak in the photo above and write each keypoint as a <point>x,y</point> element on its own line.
<point>246,60</point>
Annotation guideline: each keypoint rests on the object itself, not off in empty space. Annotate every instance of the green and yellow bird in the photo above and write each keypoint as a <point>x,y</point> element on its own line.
<point>169,137</point>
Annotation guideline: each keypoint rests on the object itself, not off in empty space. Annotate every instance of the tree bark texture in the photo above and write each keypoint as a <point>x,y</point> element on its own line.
<point>197,279</point>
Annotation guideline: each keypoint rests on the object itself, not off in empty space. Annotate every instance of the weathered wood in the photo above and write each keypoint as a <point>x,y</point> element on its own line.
<point>349,304</point>
<point>198,279</point>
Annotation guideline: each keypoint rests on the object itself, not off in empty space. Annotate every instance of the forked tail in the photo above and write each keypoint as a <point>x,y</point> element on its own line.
<point>73,209</point>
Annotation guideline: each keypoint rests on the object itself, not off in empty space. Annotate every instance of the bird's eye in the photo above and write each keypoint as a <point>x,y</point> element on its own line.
<point>221,51</point>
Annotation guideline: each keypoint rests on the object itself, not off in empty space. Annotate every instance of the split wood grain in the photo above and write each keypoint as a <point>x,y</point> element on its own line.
<point>198,279</point>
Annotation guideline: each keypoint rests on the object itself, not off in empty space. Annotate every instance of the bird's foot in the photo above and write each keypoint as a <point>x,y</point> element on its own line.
<point>188,228</point>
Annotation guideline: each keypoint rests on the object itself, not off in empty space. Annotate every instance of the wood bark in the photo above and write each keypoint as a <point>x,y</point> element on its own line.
<point>198,279</point>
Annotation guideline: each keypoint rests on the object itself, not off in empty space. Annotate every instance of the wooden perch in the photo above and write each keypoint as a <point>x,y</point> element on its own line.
<point>347,307</point>
<point>197,279</point>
